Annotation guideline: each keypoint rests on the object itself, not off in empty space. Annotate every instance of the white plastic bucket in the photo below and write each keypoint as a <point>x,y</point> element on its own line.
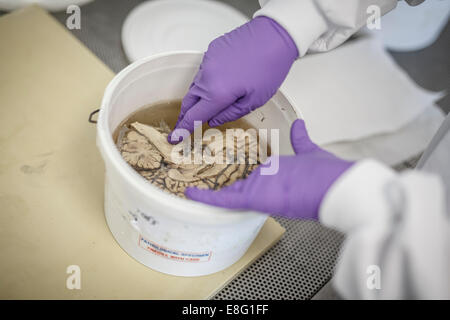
<point>164,232</point>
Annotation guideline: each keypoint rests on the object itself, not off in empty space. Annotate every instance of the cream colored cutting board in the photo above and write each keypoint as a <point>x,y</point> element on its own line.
<point>51,177</point>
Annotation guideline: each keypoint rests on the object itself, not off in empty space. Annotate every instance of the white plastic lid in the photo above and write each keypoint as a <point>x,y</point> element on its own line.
<point>171,25</point>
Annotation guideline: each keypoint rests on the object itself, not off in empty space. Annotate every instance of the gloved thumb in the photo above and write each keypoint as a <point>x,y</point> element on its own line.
<point>225,198</point>
<point>301,143</point>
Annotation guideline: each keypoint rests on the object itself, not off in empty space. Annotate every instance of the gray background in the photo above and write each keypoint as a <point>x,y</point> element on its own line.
<point>301,264</point>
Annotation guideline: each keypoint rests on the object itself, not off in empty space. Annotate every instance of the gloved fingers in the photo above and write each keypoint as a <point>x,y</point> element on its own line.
<point>237,186</point>
<point>225,198</point>
<point>300,140</point>
<point>235,111</point>
<point>198,75</point>
<point>189,100</point>
<point>202,111</point>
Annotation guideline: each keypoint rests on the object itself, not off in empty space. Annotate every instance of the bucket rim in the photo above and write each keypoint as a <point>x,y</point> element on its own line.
<point>105,142</point>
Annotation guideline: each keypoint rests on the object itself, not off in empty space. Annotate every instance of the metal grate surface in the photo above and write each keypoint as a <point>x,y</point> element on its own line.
<point>295,268</point>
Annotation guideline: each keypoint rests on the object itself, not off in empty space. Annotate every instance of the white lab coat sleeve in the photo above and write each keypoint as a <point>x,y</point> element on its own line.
<point>321,25</point>
<point>397,233</point>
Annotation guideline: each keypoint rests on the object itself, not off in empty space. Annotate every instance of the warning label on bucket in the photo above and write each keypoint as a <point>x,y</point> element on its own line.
<point>173,254</point>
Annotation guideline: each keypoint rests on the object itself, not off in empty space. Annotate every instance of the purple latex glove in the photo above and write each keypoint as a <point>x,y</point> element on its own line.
<point>240,72</point>
<point>296,191</point>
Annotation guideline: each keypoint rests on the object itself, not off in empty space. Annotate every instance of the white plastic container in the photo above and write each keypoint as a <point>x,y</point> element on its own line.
<point>164,232</point>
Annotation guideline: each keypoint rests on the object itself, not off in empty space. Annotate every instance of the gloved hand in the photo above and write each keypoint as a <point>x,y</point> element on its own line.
<point>240,72</point>
<point>296,191</point>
